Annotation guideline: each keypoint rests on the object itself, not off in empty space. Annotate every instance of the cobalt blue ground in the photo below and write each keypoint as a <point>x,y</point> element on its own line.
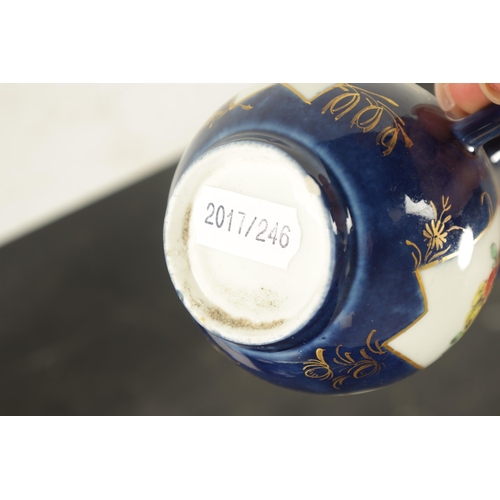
<point>374,285</point>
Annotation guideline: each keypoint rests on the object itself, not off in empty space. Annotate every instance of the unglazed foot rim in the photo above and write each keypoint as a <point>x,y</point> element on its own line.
<point>249,290</point>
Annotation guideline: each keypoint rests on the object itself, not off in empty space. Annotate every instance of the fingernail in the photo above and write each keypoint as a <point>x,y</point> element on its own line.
<point>443,95</point>
<point>491,91</point>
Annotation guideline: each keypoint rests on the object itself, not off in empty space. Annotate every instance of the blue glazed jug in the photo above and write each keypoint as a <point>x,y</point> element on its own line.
<point>335,238</point>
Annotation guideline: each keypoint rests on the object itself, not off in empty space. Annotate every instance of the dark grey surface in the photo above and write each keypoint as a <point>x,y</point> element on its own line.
<point>90,324</point>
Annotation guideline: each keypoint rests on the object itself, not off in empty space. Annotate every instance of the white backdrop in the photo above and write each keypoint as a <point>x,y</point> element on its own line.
<point>63,146</point>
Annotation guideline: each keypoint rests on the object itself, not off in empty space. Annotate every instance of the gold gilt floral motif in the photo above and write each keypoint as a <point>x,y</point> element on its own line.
<point>222,112</point>
<point>435,235</point>
<point>348,368</point>
<point>369,116</point>
<point>366,118</point>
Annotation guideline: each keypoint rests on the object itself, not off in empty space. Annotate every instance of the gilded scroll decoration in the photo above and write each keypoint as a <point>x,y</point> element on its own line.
<point>435,235</point>
<point>318,368</point>
<point>369,116</point>
<point>347,367</point>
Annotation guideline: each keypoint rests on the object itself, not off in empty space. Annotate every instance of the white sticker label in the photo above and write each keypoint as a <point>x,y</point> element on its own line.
<point>245,226</point>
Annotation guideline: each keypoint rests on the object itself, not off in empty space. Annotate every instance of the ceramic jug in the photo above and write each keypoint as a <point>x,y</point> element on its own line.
<point>335,238</point>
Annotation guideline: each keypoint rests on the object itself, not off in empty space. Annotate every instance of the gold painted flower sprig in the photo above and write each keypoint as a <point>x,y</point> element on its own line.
<point>435,235</point>
<point>347,366</point>
<point>370,109</point>
<point>369,116</point>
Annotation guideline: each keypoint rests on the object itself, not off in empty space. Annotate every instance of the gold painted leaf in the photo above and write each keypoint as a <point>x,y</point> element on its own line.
<point>352,102</point>
<point>388,138</point>
<point>319,354</point>
<point>337,381</point>
<point>438,254</point>
<point>370,122</point>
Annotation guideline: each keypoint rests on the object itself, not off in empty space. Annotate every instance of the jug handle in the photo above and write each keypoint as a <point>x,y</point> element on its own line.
<point>482,129</point>
<point>478,129</point>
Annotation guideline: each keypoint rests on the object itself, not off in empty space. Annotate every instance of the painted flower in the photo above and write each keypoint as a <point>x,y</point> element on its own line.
<point>490,282</point>
<point>491,279</point>
<point>436,234</point>
<point>477,304</point>
<point>481,295</point>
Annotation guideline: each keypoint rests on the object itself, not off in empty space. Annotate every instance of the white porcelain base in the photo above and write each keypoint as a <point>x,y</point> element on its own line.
<point>249,243</point>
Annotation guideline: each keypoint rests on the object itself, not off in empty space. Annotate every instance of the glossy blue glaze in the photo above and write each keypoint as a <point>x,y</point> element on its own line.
<point>476,130</point>
<point>363,175</point>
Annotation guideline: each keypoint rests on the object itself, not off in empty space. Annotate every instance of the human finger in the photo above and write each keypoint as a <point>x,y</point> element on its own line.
<point>461,99</point>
